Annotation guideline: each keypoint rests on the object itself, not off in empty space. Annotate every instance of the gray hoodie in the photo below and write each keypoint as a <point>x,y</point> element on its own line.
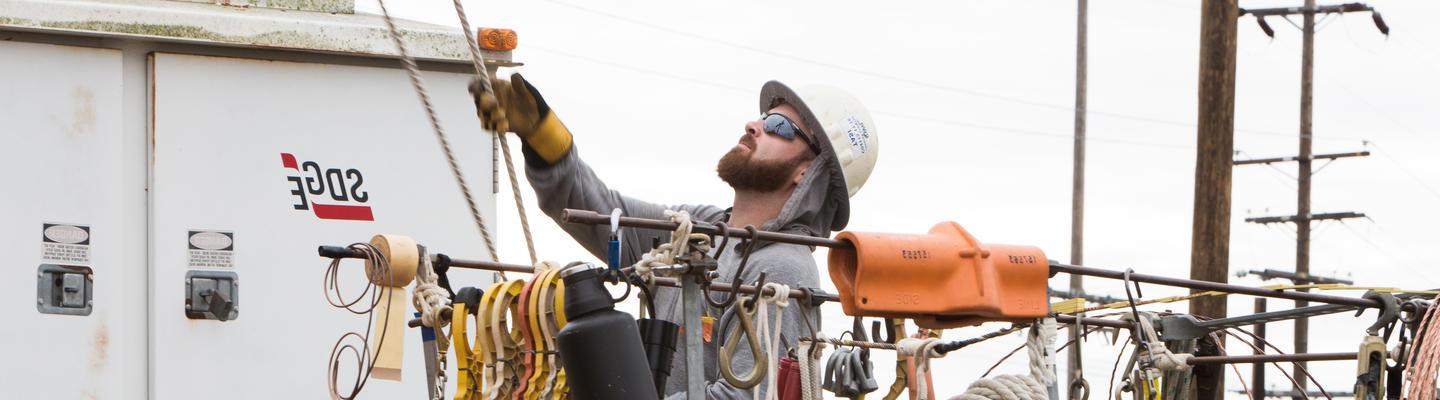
<point>816,206</point>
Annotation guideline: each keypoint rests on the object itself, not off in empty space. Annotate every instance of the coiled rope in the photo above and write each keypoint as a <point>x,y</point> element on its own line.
<point>1039,344</point>
<point>1425,358</point>
<point>664,255</point>
<point>432,300</point>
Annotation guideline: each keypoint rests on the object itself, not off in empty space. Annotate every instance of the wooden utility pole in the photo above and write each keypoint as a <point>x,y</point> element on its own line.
<point>1215,143</point>
<point>1305,159</point>
<point>1077,200</point>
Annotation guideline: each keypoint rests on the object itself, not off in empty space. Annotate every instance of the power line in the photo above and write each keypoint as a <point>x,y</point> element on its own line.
<point>920,118</point>
<point>915,82</point>
<point>1407,171</point>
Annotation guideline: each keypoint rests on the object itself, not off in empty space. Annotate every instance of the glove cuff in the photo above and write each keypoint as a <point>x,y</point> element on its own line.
<point>551,140</point>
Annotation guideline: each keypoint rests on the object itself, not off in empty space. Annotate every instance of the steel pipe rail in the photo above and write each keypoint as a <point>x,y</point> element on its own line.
<point>1270,358</point>
<point>1056,267</point>
<point>594,218</point>
<point>587,217</point>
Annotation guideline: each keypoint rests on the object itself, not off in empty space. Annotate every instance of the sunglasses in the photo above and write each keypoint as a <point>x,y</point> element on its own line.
<point>780,125</point>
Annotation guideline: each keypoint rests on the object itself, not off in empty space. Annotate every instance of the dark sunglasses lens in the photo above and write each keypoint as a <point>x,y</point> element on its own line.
<point>778,125</point>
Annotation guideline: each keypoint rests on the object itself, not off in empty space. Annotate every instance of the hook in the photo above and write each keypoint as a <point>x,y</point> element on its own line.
<point>1136,332</point>
<point>747,329</point>
<point>889,337</point>
<point>805,317</point>
<point>724,238</point>
<point>749,244</point>
<point>1389,312</point>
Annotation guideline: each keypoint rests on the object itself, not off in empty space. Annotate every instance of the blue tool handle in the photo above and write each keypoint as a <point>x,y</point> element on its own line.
<point>614,253</point>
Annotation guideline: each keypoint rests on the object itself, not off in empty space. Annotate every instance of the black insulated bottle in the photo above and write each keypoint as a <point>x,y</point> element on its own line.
<point>600,347</point>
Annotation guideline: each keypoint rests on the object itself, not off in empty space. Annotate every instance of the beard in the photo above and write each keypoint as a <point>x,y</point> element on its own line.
<point>744,173</point>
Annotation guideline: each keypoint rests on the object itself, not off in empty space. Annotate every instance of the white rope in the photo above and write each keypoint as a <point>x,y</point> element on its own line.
<point>779,296</point>
<point>920,350</point>
<point>1166,360</point>
<point>664,255</point>
<point>431,299</point>
<point>1039,345</point>
<point>809,352</point>
<point>478,62</point>
<point>415,80</point>
<point>1160,356</point>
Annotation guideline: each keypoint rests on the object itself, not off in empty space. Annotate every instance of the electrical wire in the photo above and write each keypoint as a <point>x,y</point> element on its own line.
<point>893,78</point>
<point>376,265</point>
<point>939,121</point>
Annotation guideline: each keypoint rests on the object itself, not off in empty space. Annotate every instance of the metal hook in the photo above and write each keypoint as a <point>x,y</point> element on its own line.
<point>1389,312</point>
<point>1136,331</point>
<point>749,244</point>
<point>747,329</point>
<point>724,238</point>
<point>805,317</point>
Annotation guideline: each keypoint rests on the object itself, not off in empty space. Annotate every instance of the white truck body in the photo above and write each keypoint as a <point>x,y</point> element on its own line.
<point>147,140</point>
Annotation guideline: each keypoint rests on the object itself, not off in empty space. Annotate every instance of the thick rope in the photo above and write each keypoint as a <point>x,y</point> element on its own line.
<point>432,300</point>
<point>479,63</point>
<point>1039,345</point>
<point>415,80</point>
<point>779,295</point>
<point>664,255</point>
<point>1425,358</point>
<point>809,358</point>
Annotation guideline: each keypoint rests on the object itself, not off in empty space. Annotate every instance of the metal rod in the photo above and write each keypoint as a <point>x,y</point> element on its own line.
<point>1253,358</point>
<point>694,347</point>
<point>1056,267</point>
<point>593,218</point>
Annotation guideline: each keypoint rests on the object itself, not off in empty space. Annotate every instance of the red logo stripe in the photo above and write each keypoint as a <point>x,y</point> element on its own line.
<point>353,213</point>
<point>289,161</point>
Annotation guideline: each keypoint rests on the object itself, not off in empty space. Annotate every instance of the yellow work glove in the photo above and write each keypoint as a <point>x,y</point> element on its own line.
<point>516,106</point>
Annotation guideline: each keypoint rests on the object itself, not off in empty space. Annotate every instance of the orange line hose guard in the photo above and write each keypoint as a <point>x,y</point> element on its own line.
<point>943,279</point>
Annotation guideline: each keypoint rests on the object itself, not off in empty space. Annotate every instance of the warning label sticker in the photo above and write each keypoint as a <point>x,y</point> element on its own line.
<point>65,243</point>
<point>211,249</point>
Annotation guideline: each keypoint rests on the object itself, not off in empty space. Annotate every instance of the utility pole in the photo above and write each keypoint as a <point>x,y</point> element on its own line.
<point>1215,144</point>
<point>1257,370</point>
<point>1303,216</point>
<point>1077,200</point>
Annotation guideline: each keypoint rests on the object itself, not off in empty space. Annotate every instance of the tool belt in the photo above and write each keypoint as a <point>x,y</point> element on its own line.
<point>943,279</point>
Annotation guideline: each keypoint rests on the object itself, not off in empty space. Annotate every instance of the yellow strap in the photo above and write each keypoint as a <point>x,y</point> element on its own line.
<point>466,360</point>
<point>550,302</point>
<point>485,356</point>
<point>1068,306</point>
<point>534,382</point>
<point>503,339</point>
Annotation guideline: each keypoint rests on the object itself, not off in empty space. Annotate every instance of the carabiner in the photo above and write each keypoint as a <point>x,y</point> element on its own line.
<point>732,341</point>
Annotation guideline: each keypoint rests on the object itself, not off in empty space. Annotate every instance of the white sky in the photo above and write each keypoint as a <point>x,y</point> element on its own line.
<point>973,104</point>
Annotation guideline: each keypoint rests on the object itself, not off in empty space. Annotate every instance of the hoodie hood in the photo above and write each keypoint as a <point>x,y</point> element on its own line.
<point>820,204</point>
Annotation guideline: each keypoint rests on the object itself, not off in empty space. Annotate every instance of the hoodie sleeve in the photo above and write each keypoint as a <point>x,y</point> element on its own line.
<point>570,183</point>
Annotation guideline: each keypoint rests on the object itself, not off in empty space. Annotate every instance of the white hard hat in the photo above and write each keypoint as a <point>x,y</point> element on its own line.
<point>853,139</point>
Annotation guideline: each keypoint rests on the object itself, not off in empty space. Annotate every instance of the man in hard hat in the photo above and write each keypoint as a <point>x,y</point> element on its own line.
<point>793,170</point>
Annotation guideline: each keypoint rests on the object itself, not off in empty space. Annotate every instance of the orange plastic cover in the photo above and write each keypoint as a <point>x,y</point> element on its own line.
<point>943,279</point>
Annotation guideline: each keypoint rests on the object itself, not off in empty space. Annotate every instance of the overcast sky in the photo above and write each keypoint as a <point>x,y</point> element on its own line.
<point>974,106</point>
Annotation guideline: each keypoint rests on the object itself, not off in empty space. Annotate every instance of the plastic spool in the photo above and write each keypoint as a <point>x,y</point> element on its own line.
<point>389,325</point>
<point>404,256</point>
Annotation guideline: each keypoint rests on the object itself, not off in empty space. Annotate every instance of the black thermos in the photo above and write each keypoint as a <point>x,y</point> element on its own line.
<point>599,346</point>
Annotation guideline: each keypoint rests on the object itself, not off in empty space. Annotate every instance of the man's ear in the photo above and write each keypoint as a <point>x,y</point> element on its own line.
<point>799,173</point>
